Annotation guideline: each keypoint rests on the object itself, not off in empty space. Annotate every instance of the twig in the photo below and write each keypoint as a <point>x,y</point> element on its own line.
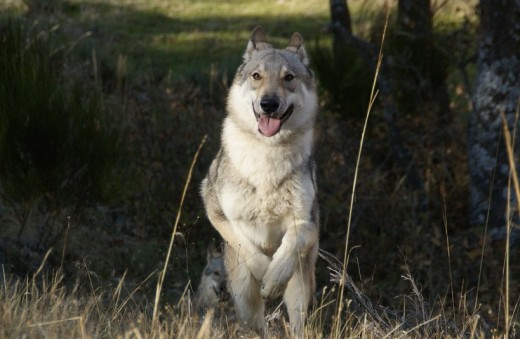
<point>65,242</point>
<point>511,158</point>
<point>514,176</point>
<point>373,96</point>
<point>420,325</point>
<point>52,322</point>
<point>445,220</point>
<point>338,275</point>
<point>42,264</point>
<point>162,274</point>
<point>368,52</point>
<point>130,295</point>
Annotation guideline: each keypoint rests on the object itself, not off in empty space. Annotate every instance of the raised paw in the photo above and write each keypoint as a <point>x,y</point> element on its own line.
<point>275,280</point>
<point>271,290</point>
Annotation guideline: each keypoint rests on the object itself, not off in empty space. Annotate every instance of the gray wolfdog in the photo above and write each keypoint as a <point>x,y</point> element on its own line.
<point>212,285</point>
<point>260,192</point>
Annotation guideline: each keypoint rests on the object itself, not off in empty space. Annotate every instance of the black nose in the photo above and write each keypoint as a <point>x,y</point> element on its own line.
<point>269,104</point>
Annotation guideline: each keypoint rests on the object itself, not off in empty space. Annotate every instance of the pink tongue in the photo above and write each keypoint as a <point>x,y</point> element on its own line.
<point>269,126</point>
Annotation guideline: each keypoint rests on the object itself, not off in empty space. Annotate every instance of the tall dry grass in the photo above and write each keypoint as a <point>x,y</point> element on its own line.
<point>45,306</point>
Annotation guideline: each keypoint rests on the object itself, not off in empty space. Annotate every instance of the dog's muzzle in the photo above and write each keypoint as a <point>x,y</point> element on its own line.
<point>221,292</point>
<point>269,123</point>
<point>269,104</point>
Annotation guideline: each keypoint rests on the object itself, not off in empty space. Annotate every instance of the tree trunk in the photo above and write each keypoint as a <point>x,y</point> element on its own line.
<point>344,37</point>
<point>424,76</point>
<point>497,90</point>
<point>340,18</point>
<point>415,16</point>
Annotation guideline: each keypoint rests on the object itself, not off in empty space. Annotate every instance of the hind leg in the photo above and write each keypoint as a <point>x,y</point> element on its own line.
<point>299,292</point>
<point>245,290</point>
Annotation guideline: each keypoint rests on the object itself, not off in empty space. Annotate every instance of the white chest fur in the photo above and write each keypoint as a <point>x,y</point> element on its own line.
<point>272,191</point>
<point>263,163</point>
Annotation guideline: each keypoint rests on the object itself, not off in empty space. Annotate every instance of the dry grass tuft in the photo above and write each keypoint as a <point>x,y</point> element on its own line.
<point>47,307</point>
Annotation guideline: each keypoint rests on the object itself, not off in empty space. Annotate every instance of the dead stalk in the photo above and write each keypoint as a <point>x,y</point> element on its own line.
<point>162,274</point>
<point>373,95</point>
<point>509,142</point>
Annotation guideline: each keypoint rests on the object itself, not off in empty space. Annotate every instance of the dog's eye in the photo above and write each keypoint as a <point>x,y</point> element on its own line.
<point>256,76</point>
<point>288,77</point>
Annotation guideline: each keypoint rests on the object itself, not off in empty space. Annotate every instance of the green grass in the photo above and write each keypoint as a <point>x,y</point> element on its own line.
<point>56,138</point>
<point>184,39</point>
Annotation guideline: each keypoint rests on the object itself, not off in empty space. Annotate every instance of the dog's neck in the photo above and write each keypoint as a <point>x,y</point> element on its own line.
<point>264,163</point>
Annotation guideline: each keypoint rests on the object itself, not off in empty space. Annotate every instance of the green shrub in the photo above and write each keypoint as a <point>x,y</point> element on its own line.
<point>55,137</point>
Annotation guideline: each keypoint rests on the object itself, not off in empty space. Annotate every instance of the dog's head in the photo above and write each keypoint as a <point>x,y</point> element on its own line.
<point>273,93</point>
<point>214,273</point>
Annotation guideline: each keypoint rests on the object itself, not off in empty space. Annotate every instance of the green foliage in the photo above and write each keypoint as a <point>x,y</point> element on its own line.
<point>55,138</point>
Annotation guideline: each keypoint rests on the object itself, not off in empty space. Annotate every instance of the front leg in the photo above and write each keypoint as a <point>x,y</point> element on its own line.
<point>245,291</point>
<point>299,292</point>
<point>256,261</point>
<point>296,243</point>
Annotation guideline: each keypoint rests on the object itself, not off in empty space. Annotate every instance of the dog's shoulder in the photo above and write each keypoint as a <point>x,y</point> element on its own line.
<point>221,170</point>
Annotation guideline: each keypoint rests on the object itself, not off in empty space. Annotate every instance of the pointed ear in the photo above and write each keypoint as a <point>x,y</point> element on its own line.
<point>296,46</point>
<point>210,251</point>
<point>258,41</point>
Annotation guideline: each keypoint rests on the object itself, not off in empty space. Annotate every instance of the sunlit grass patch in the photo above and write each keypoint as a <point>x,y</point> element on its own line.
<point>46,306</point>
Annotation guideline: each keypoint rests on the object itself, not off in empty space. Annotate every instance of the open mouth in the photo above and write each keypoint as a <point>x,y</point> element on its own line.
<point>268,125</point>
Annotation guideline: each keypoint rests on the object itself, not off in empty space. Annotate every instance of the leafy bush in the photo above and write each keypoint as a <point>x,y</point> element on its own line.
<point>55,139</point>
